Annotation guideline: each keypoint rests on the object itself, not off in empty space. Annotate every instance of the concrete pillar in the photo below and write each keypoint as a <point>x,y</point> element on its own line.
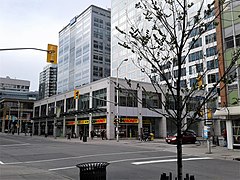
<point>39,127</point>
<point>76,120</point>
<point>90,126</point>
<point>111,111</point>
<point>64,117</point>
<point>163,127</point>
<point>55,121</point>
<point>46,126</point>
<point>229,134</point>
<point>140,122</point>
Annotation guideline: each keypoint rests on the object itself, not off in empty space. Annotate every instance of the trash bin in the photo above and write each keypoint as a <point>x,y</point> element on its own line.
<point>93,170</point>
<point>84,138</point>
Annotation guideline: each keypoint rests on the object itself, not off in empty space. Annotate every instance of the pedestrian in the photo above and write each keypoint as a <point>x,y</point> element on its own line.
<point>92,134</point>
<point>224,134</point>
<point>102,134</point>
<point>69,134</point>
<point>80,135</point>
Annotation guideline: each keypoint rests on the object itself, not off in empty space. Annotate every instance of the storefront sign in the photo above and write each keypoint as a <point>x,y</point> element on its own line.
<point>129,120</point>
<point>146,121</point>
<point>70,123</point>
<point>99,121</point>
<point>83,122</point>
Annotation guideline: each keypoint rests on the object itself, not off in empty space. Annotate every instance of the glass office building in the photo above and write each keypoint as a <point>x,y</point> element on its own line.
<point>203,56</point>
<point>84,49</point>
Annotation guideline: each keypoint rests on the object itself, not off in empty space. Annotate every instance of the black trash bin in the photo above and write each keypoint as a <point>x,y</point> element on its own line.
<point>84,138</point>
<point>93,170</point>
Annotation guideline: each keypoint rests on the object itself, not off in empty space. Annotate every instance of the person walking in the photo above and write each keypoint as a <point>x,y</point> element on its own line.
<point>80,135</point>
<point>102,134</point>
<point>92,134</point>
<point>224,134</point>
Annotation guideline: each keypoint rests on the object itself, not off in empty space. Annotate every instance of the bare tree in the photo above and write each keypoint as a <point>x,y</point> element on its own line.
<point>162,45</point>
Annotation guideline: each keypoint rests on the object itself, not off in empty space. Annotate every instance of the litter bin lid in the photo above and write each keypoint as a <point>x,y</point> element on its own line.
<point>92,165</point>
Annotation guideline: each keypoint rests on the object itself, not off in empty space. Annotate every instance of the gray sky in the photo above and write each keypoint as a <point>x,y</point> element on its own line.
<point>34,24</point>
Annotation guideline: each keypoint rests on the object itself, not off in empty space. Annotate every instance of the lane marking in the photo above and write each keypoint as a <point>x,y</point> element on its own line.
<point>1,162</point>
<point>169,160</point>
<point>9,145</point>
<point>74,157</point>
<point>57,169</point>
<point>116,161</point>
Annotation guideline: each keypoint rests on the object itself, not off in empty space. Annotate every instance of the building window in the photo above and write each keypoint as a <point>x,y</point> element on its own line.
<point>151,100</point>
<point>99,98</point>
<point>210,38</point>
<point>195,56</point>
<point>212,78</point>
<point>213,64</point>
<point>195,43</point>
<point>127,97</point>
<point>212,51</point>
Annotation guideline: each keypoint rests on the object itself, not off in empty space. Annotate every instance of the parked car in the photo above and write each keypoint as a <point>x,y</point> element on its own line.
<point>188,137</point>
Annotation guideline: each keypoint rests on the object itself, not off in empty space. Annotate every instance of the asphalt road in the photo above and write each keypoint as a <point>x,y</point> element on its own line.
<point>41,155</point>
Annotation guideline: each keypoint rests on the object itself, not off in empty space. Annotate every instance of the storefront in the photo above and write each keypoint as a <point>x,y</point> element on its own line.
<point>232,117</point>
<point>128,127</point>
<point>98,125</point>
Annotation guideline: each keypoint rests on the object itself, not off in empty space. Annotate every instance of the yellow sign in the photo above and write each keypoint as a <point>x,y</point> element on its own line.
<point>52,53</point>
<point>129,120</point>
<point>99,121</point>
<point>83,122</point>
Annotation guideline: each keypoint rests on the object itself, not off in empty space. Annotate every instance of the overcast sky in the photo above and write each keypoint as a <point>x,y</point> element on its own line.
<point>34,24</point>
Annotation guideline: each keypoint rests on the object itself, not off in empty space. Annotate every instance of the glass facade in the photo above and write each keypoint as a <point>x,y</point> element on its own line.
<point>84,49</point>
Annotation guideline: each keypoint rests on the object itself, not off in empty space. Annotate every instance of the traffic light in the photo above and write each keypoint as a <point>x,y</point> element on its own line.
<point>209,114</point>
<point>52,53</point>
<point>199,81</point>
<point>76,94</point>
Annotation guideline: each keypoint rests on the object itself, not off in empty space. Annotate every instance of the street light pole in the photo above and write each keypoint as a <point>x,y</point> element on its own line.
<point>117,129</point>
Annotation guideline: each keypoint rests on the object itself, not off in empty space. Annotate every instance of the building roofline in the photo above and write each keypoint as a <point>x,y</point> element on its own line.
<point>77,16</point>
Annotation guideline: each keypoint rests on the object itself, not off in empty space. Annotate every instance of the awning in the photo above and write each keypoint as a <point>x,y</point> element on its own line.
<point>228,111</point>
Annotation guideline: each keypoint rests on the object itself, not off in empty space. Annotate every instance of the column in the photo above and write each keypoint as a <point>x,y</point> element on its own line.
<point>55,121</point>
<point>111,111</point>
<point>64,117</point>
<point>229,134</point>
<point>39,127</point>
<point>90,115</point>
<point>140,123</point>
<point>76,120</point>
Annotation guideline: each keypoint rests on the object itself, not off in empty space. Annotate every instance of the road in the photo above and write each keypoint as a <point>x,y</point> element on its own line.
<point>140,161</point>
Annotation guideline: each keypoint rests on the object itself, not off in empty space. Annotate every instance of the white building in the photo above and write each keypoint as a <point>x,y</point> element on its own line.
<point>203,55</point>
<point>84,49</point>
<point>14,84</point>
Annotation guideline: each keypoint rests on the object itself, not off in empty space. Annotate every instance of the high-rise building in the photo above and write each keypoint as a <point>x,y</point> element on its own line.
<point>202,57</point>
<point>84,49</point>
<point>48,81</point>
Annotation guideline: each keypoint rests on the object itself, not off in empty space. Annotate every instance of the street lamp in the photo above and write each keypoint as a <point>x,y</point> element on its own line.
<point>117,129</point>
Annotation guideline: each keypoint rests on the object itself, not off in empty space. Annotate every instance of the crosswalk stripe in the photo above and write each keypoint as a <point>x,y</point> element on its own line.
<point>169,160</point>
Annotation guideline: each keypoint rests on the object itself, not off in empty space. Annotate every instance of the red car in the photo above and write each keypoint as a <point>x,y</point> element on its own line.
<point>188,137</point>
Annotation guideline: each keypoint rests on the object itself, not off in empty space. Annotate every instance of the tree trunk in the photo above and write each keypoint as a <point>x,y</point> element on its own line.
<point>179,153</point>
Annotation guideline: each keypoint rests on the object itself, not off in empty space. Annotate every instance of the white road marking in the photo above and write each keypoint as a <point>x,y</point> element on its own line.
<point>9,145</point>
<point>169,160</point>
<point>116,161</point>
<point>75,157</point>
<point>62,168</point>
<point>1,162</point>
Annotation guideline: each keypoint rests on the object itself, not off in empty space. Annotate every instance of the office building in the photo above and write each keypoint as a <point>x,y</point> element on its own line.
<point>202,57</point>
<point>16,105</point>
<point>84,49</point>
<point>48,81</point>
